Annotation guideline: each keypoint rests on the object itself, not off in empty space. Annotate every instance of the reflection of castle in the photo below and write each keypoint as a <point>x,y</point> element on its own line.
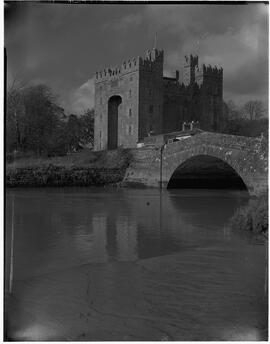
<point>114,237</point>
<point>137,232</point>
<point>139,227</point>
<point>135,99</point>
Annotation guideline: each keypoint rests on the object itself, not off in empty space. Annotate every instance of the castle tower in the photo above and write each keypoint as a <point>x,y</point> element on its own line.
<point>128,102</point>
<point>210,80</point>
<point>117,106</point>
<point>190,64</point>
<point>135,100</point>
<point>151,93</point>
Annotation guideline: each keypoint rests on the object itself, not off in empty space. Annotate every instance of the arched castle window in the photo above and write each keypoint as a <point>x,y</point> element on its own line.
<point>129,112</point>
<point>151,108</point>
<point>129,93</point>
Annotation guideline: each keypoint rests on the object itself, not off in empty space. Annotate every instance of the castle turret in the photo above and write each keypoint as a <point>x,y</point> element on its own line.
<point>190,64</point>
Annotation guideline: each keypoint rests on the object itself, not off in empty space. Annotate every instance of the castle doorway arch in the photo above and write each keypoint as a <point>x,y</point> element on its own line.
<point>113,114</point>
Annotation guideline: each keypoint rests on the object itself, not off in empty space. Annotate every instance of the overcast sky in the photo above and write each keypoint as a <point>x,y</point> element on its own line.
<point>63,45</point>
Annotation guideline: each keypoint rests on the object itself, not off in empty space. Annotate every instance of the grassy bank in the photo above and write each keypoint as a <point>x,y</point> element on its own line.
<point>253,218</point>
<point>82,168</point>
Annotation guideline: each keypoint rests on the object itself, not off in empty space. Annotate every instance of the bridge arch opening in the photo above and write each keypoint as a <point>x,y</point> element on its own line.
<point>113,114</point>
<point>205,172</point>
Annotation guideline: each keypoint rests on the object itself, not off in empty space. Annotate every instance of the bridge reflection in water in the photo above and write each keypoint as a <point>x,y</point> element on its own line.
<point>161,224</point>
<point>126,225</point>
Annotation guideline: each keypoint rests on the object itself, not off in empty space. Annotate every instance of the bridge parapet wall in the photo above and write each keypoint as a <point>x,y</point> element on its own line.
<point>144,155</point>
<point>222,140</point>
<point>247,156</point>
<point>253,150</point>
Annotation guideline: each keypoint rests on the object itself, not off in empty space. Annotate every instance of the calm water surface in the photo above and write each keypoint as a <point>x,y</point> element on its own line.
<point>126,264</point>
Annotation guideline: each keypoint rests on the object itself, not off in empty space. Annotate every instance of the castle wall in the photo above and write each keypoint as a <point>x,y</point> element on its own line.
<point>175,105</point>
<point>173,114</point>
<point>123,82</point>
<point>153,103</point>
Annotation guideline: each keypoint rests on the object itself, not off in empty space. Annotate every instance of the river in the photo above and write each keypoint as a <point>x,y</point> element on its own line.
<point>132,264</point>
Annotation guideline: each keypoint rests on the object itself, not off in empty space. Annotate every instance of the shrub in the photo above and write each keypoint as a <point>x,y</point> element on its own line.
<point>253,217</point>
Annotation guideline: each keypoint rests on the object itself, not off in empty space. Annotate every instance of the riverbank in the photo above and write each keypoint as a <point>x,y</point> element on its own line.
<point>254,217</point>
<point>78,169</point>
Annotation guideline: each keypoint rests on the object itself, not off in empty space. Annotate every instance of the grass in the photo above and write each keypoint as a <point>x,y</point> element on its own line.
<point>79,169</point>
<point>85,158</point>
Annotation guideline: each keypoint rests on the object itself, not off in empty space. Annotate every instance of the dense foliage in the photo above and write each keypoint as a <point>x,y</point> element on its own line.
<point>36,124</point>
<point>248,120</point>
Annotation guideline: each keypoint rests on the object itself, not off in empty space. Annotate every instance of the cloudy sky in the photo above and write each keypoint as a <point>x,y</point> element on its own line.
<point>63,45</point>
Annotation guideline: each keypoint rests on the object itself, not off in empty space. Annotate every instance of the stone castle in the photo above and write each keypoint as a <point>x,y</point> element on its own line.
<point>136,100</point>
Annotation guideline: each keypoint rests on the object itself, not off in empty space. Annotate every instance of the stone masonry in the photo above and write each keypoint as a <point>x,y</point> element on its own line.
<point>247,156</point>
<point>136,100</point>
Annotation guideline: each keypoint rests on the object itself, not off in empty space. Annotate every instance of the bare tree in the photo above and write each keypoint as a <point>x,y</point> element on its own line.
<point>33,118</point>
<point>232,111</point>
<point>15,113</point>
<point>254,109</point>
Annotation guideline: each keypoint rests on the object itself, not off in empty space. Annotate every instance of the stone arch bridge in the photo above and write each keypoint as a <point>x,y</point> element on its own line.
<point>248,157</point>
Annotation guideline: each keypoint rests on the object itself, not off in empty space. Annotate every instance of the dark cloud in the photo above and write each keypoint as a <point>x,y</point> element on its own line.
<point>251,78</point>
<point>234,37</point>
<point>64,44</point>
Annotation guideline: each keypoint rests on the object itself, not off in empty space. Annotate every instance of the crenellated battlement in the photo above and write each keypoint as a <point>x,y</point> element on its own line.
<point>175,87</point>
<point>127,66</point>
<point>153,60</point>
<point>205,70</point>
<point>191,60</point>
